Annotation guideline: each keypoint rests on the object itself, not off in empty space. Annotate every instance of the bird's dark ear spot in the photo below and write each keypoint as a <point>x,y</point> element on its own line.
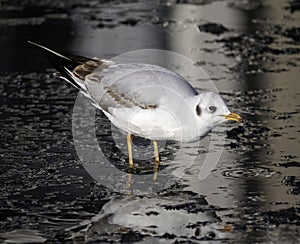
<point>198,110</point>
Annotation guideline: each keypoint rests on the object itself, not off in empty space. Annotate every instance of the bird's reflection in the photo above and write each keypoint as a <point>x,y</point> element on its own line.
<point>183,214</point>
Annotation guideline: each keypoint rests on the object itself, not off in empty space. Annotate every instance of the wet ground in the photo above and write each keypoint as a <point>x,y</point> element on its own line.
<point>250,49</point>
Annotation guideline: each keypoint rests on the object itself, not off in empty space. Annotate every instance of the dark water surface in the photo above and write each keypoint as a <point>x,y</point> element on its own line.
<point>250,49</point>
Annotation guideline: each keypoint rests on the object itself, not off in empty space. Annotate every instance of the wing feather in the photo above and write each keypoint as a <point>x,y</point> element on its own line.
<point>135,85</point>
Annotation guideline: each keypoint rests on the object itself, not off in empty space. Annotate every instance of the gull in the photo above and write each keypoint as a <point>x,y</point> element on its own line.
<point>143,100</point>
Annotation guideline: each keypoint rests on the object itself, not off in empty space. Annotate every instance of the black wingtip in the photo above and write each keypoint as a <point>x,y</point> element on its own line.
<point>32,43</point>
<point>49,51</point>
<point>59,61</point>
<point>36,44</point>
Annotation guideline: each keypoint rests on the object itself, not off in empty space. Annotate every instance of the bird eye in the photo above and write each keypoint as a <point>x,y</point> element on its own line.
<point>198,110</point>
<point>212,108</point>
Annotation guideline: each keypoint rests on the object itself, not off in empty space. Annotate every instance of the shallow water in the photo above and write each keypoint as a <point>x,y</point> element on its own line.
<point>250,49</point>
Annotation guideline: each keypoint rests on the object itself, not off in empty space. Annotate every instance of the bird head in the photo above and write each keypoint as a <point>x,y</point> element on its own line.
<point>211,107</point>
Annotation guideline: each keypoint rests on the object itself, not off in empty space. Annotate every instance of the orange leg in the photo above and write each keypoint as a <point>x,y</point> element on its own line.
<point>129,145</point>
<point>156,160</point>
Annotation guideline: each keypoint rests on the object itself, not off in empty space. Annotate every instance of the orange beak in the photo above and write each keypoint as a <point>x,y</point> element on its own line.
<point>234,117</point>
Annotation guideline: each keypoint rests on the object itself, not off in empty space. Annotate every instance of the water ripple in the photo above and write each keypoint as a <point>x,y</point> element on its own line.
<point>248,173</point>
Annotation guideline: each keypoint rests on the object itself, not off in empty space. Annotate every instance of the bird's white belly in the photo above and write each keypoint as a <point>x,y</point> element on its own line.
<point>153,124</point>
